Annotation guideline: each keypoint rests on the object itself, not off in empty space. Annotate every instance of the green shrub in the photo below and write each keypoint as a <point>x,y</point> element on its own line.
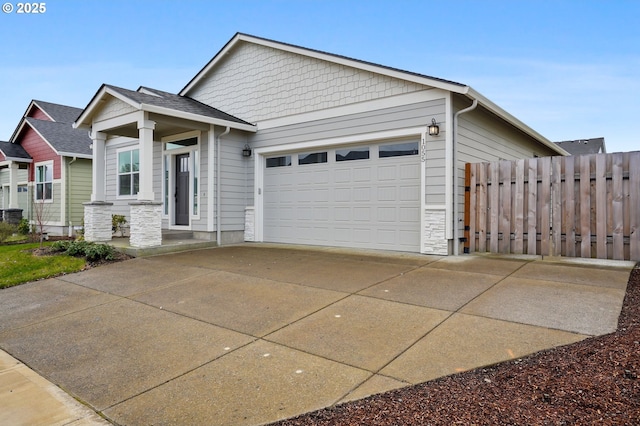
<point>91,251</point>
<point>117,223</point>
<point>6,230</point>
<point>23,227</point>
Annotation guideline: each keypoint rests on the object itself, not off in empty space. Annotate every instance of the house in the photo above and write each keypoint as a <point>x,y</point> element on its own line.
<point>45,168</point>
<point>279,143</point>
<point>14,162</point>
<point>584,146</point>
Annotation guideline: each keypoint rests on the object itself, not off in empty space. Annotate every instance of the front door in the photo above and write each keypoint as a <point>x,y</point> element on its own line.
<point>182,190</point>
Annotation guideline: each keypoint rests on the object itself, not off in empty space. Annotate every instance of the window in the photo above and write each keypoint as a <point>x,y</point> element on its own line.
<point>360,153</point>
<point>313,158</point>
<point>180,144</point>
<point>128,172</point>
<point>44,182</point>
<point>399,149</point>
<point>285,160</point>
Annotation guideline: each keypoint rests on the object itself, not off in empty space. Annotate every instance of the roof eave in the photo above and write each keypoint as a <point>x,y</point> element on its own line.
<point>73,154</point>
<point>197,117</point>
<point>495,109</point>
<point>83,121</point>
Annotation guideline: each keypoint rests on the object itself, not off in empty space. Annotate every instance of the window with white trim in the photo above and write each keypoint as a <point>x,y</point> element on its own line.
<point>44,182</point>
<point>128,172</point>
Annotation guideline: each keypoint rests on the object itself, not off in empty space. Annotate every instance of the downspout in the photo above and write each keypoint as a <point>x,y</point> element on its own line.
<point>69,195</point>
<point>219,189</point>
<point>456,204</point>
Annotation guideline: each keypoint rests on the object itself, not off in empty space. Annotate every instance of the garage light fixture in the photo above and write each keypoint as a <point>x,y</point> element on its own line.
<point>246,151</point>
<point>434,129</point>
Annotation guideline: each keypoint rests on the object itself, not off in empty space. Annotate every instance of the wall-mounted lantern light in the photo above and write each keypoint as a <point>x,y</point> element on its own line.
<point>246,151</point>
<point>434,129</point>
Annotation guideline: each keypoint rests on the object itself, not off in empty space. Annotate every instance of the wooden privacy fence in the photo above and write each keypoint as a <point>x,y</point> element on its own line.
<point>576,206</point>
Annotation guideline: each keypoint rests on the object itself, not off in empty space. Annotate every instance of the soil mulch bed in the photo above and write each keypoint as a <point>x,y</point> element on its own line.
<point>595,381</point>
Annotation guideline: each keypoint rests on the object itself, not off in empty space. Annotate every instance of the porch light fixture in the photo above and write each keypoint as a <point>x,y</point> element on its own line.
<point>434,129</point>
<point>246,151</point>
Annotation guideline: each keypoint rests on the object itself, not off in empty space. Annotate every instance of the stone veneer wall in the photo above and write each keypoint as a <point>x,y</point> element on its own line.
<point>146,224</point>
<point>249,224</point>
<point>435,241</point>
<point>97,221</point>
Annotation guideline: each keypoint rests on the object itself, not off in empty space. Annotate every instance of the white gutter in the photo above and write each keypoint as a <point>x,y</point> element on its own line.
<point>454,159</point>
<point>219,189</point>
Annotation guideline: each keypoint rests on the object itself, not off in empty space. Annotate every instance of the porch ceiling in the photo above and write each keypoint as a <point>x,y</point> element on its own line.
<point>165,126</point>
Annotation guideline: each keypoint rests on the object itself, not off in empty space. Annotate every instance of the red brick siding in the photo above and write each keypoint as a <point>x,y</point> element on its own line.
<point>39,151</point>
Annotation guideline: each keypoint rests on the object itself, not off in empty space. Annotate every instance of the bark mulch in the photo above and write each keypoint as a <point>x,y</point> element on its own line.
<point>595,381</point>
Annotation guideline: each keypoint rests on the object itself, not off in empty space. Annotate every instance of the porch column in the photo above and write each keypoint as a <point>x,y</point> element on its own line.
<point>146,213</point>
<point>145,136</point>
<point>13,185</point>
<point>98,166</point>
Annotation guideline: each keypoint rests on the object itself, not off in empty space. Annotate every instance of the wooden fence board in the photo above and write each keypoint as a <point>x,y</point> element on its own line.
<point>586,206</point>
<point>617,206</point>
<point>569,216</point>
<point>634,206</point>
<point>556,206</point>
<point>505,206</point>
<point>601,206</point>
<point>518,229</point>
<point>532,198</point>
<point>494,206</point>
<point>545,210</point>
<point>482,207</point>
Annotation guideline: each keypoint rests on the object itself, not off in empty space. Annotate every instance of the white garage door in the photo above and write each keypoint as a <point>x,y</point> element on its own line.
<point>364,196</point>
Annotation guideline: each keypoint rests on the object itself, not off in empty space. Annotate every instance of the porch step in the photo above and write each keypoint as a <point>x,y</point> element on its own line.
<point>176,235</point>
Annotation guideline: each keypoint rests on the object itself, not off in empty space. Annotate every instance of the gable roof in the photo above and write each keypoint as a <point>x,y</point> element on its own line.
<point>58,133</point>
<point>584,146</point>
<point>14,152</point>
<point>63,138</point>
<point>58,113</point>
<point>158,101</point>
<point>423,79</point>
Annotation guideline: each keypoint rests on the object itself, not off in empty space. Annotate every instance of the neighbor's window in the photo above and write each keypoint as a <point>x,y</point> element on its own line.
<point>128,172</point>
<point>348,154</point>
<point>313,158</point>
<point>399,149</point>
<point>44,182</point>
<point>285,160</point>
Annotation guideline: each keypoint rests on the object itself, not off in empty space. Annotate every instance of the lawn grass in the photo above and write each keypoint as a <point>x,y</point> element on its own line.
<point>18,265</point>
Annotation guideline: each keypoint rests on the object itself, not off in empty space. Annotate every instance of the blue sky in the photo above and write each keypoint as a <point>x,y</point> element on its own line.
<point>568,69</point>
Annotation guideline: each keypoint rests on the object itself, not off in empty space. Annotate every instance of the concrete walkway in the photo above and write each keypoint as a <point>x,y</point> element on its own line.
<point>250,334</point>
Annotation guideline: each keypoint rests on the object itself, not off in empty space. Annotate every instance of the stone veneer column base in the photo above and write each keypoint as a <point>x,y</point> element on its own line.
<point>249,223</point>
<point>146,224</point>
<point>435,241</point>
<point>97,221</point>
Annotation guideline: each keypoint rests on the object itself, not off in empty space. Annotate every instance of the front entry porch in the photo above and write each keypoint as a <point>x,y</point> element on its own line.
<point>155,157</point>
<point>173,241</point>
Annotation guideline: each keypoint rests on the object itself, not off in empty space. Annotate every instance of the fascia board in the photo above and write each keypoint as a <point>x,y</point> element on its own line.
<point>18,160</point>
<point>95,103</point>
<point>196,117</point>
<point>43,138</point>
<point>72,155</point>
<point>495,109</point>
<point>212,63</point>
<point>40,108</point>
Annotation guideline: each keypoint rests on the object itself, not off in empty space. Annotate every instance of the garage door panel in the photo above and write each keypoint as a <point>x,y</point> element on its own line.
<point>365,203</point>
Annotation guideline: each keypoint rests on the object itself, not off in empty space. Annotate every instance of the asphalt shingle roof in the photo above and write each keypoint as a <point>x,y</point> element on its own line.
<point>13,150</point>
<point>59,113</point>
<point>583,146</point>
<point>176,102</point>
<point>63,137</point>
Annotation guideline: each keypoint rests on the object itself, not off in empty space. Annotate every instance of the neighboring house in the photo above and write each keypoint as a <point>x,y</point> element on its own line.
<point>279,143</point>
<point>14,163</point>
<point>48,167</point>
<point>584,146</point>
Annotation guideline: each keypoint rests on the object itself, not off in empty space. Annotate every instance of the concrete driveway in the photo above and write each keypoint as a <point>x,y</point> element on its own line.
<point>250,334</point>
